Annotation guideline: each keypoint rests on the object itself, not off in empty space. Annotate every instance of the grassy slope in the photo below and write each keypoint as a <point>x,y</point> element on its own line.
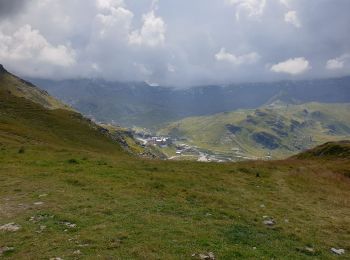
<point>210,132</point>
<point>20,88</point>
<point>128,208</point>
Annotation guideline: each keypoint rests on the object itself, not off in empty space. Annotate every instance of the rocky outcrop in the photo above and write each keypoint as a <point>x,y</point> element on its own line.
<point>267,140</point>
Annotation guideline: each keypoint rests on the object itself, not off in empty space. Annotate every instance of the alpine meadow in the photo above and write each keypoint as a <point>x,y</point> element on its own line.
<point>162,129</point>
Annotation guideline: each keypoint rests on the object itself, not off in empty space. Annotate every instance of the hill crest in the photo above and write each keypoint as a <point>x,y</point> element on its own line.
<point>24,89</point>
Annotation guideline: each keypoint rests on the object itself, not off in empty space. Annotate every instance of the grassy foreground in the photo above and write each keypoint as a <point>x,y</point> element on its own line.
<point>77,195</point>
<point>132,209</point>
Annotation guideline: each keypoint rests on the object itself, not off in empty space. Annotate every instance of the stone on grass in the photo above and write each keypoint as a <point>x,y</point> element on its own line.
<point>338,251</point>
<point>5,249</point>
<point>205,256</point>
<point>77,252</point>
<point>68,224</point>
<point>309,250</point>
<point>11,227</point>
<point>269,222</point>
<point>38,203</point>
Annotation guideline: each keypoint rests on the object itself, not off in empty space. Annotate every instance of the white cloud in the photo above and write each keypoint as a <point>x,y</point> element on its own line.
<point>250,8</point>
<point>117,21</point>
<point>337,63</point>
<point>109,4</point>
<point>286,3</point>
<point>292,66</point>
<point>249,58</point>
<point>28,45</point>
<point>152,32</point>
<point>292,18</point>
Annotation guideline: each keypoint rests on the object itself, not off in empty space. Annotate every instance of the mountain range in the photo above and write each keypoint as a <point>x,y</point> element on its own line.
<point>139,104</point>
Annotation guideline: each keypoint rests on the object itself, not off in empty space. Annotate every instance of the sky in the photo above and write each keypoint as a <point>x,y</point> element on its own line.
<point>176,42</point>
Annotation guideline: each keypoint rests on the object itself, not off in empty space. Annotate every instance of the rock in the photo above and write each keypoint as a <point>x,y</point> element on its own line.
<point>202,256</point>
<point>6,249</point>
<point>254,248</point>
<point>269,222</point>
<point>68,224</point>
<point>56,258</point>
<point>262,206</point>
<point>338,251</point>
<point>42,195</point>
<point>11,227</point>
<point>38,203</point>
<point>77,252</point>
<point>309,250</point>
<point>205,256</point>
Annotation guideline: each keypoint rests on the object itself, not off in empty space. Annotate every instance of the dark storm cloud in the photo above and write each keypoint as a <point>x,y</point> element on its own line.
<point>10,7</point>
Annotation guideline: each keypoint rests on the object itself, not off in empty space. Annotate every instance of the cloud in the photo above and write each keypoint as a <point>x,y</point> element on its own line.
<point>32,54</point>
<point>250,8</point>
<point>286,3</point>
<point>152,32</point>
<point>109,4</point>
<point>8,8</point>
<point>173,42</point>
<point>249,58</point>
<point>26,44</point>
<point>294,66</point>
<point>292,18</point>
<point>116,22</point>
<point>337,63</point>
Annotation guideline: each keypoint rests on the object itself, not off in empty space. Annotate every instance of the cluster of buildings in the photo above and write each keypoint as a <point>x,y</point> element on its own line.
<point>159,141</point>
<point>150,140</point>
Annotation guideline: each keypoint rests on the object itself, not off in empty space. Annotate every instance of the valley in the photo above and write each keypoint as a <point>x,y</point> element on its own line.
<point>70,186</point>
<point>175,130</point>
<point>217,123</point>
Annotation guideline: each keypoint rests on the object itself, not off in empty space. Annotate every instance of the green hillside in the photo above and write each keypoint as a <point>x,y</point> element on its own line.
<point>21,88</point>
<point>279,130</point>
<point>68,191</point>
<point>329,151</point>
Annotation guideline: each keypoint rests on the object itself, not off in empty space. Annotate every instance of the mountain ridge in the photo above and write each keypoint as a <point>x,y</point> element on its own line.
<point>138,104</point>
<point>25,89</point>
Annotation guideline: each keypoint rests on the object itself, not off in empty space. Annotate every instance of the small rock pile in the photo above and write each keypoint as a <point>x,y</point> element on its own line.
<point>10,227</point>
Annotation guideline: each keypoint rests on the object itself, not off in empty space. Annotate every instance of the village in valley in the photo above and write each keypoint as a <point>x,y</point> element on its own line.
<point>179,149</point>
